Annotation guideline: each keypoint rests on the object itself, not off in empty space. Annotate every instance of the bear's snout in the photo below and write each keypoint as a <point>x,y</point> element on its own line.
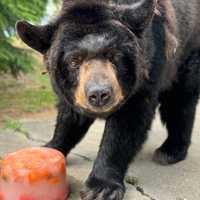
<point>98,90</point>
<point>99,95</point>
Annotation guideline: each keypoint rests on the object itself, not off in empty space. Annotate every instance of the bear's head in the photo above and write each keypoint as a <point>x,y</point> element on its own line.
<point>93,52</point>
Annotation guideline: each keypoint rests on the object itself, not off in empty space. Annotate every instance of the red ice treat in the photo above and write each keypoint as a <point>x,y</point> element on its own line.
<point>33,174</point>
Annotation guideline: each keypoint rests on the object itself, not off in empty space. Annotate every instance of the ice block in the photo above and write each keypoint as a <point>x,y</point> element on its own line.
<point>33,174</point>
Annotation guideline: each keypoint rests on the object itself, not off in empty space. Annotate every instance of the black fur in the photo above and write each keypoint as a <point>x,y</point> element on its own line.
<point>136,41</point>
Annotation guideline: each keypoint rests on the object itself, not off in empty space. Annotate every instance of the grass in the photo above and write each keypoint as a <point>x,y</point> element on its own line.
<point>28,94</point>
<point>16,126</point>
<point>26,99</point>
<point>13,125</point>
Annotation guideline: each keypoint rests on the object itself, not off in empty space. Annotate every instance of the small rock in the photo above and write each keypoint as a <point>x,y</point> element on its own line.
<point>132,180</point>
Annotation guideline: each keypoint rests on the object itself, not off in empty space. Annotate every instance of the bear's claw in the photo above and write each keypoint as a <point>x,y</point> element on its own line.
<point>165,158</point>
<point>102,190</point>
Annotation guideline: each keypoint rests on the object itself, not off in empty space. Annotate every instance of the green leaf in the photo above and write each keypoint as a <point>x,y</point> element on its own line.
<point>13,59</point>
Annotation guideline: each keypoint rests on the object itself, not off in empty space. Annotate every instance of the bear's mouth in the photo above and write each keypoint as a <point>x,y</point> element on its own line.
<point>102,112</point>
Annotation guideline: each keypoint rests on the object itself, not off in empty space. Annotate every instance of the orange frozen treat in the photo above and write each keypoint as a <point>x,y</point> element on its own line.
<point>33,174</point>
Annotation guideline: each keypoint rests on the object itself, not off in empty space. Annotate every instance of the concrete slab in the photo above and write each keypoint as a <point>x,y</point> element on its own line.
<point>11,141</point>
<point>155,182</point>
<point>39,130</point>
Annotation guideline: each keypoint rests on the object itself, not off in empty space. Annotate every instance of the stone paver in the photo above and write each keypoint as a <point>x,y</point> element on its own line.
<point>11,141</point>
<point>155,182</point>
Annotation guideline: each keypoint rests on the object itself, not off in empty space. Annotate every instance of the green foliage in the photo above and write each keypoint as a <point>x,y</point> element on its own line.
<point>13,125</point>
<point>12,58</point>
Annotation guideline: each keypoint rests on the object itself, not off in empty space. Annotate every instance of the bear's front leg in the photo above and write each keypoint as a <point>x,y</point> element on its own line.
<point>125,132</point>
<point>70,129</point>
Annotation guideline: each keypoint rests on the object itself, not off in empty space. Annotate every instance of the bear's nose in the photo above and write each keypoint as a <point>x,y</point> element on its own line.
<point>99,96</point>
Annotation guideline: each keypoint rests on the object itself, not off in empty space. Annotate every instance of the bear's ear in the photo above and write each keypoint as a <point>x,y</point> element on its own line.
<point>37,37</point>
<point>138,15</point>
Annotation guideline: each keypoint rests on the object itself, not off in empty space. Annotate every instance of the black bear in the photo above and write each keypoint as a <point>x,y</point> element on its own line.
<point>119,60</point>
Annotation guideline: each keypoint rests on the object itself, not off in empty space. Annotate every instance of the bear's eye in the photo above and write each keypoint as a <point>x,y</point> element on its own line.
<point>73,65</point>
<point>75,62</point>
<point>110,56</point>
